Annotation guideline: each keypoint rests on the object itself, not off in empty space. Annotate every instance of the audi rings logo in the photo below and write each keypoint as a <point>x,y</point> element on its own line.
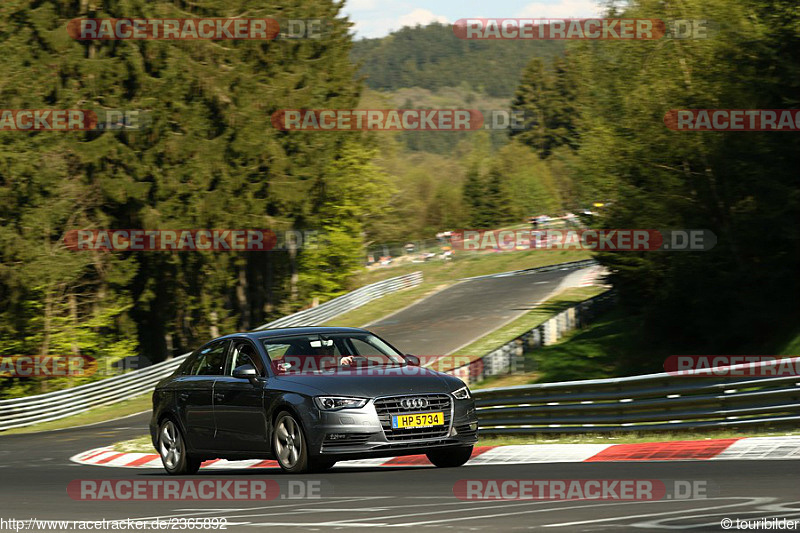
<point>414,403</point>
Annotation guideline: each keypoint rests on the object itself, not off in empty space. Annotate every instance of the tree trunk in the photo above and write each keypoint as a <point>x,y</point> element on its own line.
<point>241,297</point>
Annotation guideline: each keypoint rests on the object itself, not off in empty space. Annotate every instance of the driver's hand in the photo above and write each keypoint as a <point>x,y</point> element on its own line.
<point>348,360</point>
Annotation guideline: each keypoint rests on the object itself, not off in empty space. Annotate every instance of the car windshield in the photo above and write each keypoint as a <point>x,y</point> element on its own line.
<point>310,353</point>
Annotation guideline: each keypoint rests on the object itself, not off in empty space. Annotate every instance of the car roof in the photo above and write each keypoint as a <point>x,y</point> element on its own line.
<point>281,332</point>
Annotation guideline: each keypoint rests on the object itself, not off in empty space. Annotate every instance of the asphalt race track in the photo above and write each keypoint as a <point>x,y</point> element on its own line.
<point>35,470</point>
<point>467,311</point>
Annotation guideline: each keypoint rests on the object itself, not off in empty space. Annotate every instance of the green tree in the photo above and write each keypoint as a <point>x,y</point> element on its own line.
<point>742,186</point>
<point>474,192</point>
<point>546,99</point>
<point>347,196</point>
<point>207,159</point>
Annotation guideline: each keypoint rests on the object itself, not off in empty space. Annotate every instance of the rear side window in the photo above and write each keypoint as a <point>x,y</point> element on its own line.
<point>188,367</point>
<point>210,360</point>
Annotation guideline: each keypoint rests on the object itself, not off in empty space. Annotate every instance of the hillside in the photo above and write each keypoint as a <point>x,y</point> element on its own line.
<point>432,58</point>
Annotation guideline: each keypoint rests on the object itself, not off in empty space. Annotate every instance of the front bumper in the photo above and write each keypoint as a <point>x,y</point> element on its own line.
<point>367,432</point>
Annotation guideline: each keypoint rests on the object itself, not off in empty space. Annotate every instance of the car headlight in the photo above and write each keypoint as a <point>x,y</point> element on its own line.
<point>334,403</point>
<point>462,393</point>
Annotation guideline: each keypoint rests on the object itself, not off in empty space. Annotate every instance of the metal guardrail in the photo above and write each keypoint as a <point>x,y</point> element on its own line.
<point>20,412</point>
<point>690,400</point>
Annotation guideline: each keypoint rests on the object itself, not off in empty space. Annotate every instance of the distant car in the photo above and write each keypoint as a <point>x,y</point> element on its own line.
<point>245,396</point>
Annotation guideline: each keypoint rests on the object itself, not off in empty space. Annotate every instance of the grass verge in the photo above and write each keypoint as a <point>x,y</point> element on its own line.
<point>476,264</point>
<point>508,380</point>
<point>94,416</point>
<point>613,344</point>
<point>605,348</point>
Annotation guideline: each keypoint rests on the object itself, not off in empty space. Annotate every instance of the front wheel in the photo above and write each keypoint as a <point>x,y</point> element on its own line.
<point>450,457</point>
<point>289,445</point>
<point>173,452</point>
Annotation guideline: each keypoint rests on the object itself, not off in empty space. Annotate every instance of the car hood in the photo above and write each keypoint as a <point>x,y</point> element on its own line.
<point>380,382</point>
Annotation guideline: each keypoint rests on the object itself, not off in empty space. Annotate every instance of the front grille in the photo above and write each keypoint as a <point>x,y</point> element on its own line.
<point>386,407</point>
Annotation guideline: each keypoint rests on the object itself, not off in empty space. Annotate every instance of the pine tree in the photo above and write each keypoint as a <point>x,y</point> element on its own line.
<point>474,193</point>
<point>208,158</point>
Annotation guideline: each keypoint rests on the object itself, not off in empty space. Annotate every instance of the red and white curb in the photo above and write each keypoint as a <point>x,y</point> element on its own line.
<point>752,448</point>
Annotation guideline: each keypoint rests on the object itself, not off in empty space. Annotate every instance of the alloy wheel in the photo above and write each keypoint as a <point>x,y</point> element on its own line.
<point>170,445</point>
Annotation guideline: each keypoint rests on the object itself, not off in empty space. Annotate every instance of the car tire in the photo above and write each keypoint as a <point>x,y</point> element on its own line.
<point>173,451</point>
<point>450,457</point>
<point>289,444</point>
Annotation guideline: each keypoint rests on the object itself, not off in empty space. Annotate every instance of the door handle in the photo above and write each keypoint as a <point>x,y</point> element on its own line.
<point>218,396</point>
<point>183,395</point>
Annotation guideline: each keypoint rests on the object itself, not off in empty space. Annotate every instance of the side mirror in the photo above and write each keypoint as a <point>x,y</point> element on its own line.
<point>412,360</point>
<point>245,372</point>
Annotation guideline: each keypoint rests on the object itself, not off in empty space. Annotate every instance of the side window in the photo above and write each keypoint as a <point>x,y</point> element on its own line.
<point>212,360</point>
<point>243,353</point>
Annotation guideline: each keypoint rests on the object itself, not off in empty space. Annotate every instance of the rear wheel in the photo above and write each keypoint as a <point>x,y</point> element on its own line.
<point>289,444</point>
<point>450,457</point>
<point>173,451</point>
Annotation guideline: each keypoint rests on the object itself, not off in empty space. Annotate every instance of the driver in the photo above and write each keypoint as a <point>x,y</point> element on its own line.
<point>330,351</point>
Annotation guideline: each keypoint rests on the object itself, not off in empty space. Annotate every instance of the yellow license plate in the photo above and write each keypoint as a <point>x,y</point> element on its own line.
<point>418,420</point>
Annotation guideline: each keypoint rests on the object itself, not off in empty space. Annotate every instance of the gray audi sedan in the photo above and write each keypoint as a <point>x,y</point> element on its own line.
<point>309,397</point>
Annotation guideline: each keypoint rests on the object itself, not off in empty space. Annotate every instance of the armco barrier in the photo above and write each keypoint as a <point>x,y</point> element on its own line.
<point>509,358</point>
<point>20,412</point>
<point>695,400</point>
